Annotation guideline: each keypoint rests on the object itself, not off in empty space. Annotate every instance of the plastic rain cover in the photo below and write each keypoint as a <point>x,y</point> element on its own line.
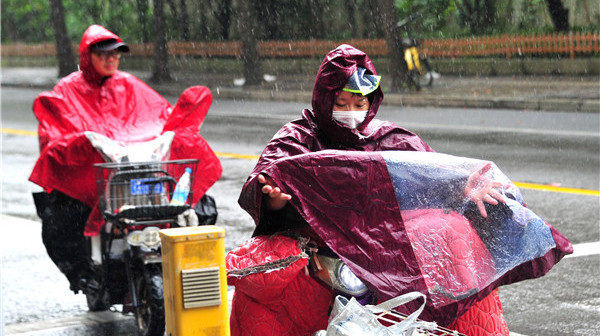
<point>402,222</point>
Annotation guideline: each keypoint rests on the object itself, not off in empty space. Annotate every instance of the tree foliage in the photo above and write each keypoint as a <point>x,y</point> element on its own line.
<point>213,20</point>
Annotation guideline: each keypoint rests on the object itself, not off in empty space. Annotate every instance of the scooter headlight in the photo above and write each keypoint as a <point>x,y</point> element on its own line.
<point>338,275</point>
<point>350,281</point>
<point>148,237</point>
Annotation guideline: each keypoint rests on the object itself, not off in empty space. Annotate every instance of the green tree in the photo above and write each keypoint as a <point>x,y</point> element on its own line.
<point>559,14</point>
<point>160,73</point>
<point>26,21</point>
<point>66,60</point>
<point>480,16</point>
<point>433,16</point>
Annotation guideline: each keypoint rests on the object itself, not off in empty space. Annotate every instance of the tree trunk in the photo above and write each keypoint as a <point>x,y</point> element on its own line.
<point>64,51</point>
<point>142,11</point>
<point>559,14</point>
<point>185,21</point>
<point>161,53</point>
<point>397,67</point>
<point>224,18</point>
<point>250,58</point>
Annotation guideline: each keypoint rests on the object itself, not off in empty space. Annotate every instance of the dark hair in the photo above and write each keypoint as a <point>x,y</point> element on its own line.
<point>370,96</point>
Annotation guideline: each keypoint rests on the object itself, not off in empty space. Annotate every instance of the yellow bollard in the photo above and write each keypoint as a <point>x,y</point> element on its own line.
<point>195,281</point>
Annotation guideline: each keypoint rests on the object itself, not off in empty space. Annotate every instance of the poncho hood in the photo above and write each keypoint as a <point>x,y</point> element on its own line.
<point>334,72</point>
<point>317,130</point>
<point>93,35</point>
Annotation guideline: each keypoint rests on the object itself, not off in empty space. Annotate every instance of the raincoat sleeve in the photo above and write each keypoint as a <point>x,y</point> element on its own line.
<point>185,120</point>
<point>66,156</point>
<point>293,139</point>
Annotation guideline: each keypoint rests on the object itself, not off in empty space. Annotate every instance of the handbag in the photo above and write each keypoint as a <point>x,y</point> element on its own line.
<point>350,318</point>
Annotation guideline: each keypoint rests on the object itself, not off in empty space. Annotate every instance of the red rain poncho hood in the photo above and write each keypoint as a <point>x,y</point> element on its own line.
<point>317,130</point>
<point>124,109</point>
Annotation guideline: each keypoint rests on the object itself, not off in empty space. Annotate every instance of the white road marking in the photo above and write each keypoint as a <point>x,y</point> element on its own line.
<point>585,249</point>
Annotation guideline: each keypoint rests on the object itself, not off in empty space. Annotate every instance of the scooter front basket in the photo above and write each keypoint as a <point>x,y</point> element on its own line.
<point>140,190</point>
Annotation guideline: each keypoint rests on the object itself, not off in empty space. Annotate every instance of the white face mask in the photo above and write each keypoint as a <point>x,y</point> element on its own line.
<point>351,119</point>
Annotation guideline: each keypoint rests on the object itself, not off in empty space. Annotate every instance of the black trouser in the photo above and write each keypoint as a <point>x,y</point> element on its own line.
<point>63,223</point>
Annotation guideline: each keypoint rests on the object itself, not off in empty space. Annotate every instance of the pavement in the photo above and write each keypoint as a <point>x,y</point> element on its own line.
<point>537,93</point>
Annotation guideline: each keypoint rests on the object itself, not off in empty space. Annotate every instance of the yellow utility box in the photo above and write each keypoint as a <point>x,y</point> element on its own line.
<point>195,281</point>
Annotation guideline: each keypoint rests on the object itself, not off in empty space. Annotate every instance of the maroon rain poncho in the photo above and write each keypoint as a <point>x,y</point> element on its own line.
<point>124,109</point>
<point>317,130</point>
<point>354,180</point>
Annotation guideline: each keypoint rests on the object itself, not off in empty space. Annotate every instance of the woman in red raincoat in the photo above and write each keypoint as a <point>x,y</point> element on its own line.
<point>342,117</point>
<point>102,99</point>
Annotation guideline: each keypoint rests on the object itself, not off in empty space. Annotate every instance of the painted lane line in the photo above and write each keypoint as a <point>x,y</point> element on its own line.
<point>522,185</point>
<point>545,187</point>
<point>585,249</point>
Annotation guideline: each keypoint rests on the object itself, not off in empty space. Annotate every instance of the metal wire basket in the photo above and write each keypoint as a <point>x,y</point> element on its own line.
<point>426,328</point>
<point>140,190</point>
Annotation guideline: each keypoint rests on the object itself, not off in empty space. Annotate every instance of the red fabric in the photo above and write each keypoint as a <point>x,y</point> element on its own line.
<point>452,256</point>
<point>485,318</point>
<point>123,108</point>
<point>285,301</point>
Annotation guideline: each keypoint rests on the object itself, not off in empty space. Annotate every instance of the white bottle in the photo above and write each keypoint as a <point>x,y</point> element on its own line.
<point>182,189</point>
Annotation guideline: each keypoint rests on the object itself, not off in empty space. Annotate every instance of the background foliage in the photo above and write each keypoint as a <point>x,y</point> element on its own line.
<point>213,20</point>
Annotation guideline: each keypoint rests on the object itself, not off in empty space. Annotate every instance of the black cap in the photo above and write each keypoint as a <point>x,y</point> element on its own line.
<point>108,45</point>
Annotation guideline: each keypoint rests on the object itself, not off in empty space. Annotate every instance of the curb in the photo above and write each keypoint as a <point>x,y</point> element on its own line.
<point>412,100</point>
<point>404,100</point>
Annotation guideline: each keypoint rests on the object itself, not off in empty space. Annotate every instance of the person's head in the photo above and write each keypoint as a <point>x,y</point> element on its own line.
<point>106,55</point>
<point>346,82</point>
<point>99,52</point>
<point>352,103</point>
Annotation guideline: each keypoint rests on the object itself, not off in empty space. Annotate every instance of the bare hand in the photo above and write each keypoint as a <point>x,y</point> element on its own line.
<point>277,199</point>
<point>481,188</point>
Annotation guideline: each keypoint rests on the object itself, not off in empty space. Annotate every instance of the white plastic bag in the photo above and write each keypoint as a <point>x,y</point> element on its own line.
<point>350,318</point>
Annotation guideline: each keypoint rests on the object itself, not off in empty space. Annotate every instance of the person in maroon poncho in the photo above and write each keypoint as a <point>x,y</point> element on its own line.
<point>102,99</point>
<point>345,101</point>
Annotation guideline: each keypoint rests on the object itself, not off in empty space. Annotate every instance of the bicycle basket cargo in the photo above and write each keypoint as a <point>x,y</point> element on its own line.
<point>140,190</point>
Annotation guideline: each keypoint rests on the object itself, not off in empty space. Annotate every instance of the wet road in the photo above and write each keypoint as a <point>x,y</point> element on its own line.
<point>535,147</point>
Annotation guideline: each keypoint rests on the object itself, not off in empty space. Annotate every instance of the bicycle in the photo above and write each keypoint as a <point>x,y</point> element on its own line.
<point>418,69</point>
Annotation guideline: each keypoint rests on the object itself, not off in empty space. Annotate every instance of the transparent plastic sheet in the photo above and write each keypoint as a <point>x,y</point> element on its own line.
<point>403,221</point>
<point>458,251</point>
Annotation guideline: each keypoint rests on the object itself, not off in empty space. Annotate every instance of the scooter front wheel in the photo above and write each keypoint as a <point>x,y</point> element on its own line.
<point>150,313</point>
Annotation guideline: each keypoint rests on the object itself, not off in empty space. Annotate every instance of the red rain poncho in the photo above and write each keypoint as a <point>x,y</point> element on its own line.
<point>123,108</point>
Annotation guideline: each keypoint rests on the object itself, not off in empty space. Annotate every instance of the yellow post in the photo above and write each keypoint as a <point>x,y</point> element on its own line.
<point>195,281</point>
